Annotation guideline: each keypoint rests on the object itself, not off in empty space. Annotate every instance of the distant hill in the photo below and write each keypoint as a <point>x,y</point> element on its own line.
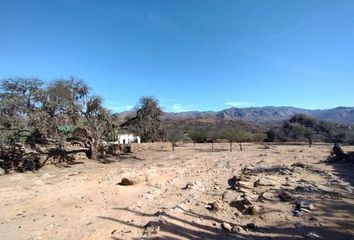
<point>262,115</point>
<point>269,114</point>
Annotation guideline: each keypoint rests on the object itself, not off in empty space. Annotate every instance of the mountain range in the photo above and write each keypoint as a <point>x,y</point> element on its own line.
<point>269,114</point>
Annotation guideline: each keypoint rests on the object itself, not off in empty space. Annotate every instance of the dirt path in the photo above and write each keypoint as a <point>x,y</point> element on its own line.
<point>172,202</point>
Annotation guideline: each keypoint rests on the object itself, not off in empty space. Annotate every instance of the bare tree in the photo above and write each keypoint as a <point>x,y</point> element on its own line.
<point>173,136</point>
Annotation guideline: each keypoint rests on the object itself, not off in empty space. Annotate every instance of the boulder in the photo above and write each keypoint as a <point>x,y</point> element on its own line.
<point>226,226</point>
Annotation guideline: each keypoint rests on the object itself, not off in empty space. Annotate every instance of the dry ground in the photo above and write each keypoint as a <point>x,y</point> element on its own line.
<point>85,202</point>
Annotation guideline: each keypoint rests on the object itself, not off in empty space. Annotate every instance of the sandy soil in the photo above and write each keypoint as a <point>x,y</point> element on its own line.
<point>172,199</point>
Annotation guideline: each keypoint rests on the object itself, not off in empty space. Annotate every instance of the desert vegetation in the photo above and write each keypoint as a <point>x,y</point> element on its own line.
<point>187,180</point>
<point>51,122</point>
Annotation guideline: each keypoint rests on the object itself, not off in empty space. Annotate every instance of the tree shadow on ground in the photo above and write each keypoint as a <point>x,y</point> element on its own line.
<point>174,228</point>
<point>201,150</point>
<point>343,168</point>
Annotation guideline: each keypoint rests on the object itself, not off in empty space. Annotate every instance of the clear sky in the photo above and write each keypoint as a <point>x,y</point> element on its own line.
<point>191,55</point>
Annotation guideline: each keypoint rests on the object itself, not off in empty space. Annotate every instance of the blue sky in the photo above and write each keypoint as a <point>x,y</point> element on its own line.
<point>191,55</point>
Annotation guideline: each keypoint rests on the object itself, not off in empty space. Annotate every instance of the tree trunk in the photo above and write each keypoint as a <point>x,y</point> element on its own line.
<point>310,142</point>
<point>240,146</point>
<point>194,143</point>
<point>212,145</point>
<point>230,146</point>
<point>92,153</point>
<point>173,147</point>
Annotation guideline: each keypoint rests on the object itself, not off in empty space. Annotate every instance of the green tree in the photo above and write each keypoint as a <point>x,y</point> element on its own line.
<point>300,131</point>
<point>36,113</point>
<point>197,136</point>
<point>236,135</point>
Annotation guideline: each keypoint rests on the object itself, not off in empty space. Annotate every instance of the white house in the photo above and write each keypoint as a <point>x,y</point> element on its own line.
<point>127,138</point>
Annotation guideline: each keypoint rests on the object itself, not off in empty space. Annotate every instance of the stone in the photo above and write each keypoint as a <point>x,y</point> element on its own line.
<point>307,188</point>
<point>198,186</point>
<point>126,182</point>
<point>214,206</point>
<point>297,213</point>
<point>242,184</point>
<point>238,229</point>
<point>303,207</point>
<point>226,226</point>
<point>244,206</point>
<point>232,181</point>
<point>251,227</point>
<point>313,235</point>
<point>285,196</point>
<point>132,180</point>
<point>264,182</point>
<point>228,196</point>
<point>299,165</point>
<point>269,195</point>
<point>151,228</point>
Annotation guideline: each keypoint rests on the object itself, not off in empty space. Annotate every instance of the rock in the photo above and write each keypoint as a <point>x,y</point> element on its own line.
<point>308,188</point>
<point>126,182</point>
<point>285,196</point>
<point>251,227</point>
<point>244,206</point>
<point>242,184</point>
<point>214,206</point>
<point>269,195</point>
<point>226,226</point>
<point>297,213</point>
<point>228,196</point>
<point>238,229</point>
<point>151,228</point>
<point>299,165</point>
<point>195,186</point>
<point>232,181</point>
<point>306,205</point>
<point>272,170</point>
<point>2,171</point>
<point>302,206</point>
<point>313,235</point>
<point>264,182</point>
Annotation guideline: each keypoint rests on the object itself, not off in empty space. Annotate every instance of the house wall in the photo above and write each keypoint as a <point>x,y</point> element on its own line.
<point>127,139</point>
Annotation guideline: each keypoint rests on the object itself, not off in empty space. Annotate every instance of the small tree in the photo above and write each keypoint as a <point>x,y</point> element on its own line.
<point>259,137</point>
<point>197,136</point>
<point>236,135</point>
<point>173,136</point>
<point>300,131</point>
<point>212,136</point>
